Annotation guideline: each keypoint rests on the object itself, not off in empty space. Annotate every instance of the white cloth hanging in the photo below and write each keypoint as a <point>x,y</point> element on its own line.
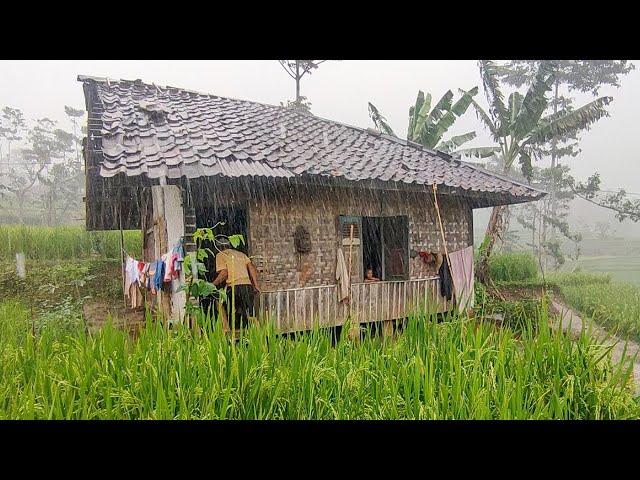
<point>342,277</point>
<point>131,281</point>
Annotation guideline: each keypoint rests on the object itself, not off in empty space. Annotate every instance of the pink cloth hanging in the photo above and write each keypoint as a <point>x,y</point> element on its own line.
<point>461,265</point>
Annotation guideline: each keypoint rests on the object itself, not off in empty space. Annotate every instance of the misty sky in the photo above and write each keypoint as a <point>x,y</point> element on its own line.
<point>337,90</point>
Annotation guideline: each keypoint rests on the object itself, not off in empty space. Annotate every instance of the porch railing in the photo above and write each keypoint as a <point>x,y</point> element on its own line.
<point>297,309</point>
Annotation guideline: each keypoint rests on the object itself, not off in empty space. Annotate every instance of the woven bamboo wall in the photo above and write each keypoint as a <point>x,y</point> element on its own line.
<point>274,216</point>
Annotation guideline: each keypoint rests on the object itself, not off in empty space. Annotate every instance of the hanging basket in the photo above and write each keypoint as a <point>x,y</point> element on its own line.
<point>302,240</point>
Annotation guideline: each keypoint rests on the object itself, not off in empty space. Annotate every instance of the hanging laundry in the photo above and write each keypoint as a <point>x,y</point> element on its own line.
<point>135,296</point>
<point>172,267</point>
<point>158,276</point>
<point>132,266</point>
<point>462,275</point>
<point>168,267</point>
<point>129,277</point>
<point>131,283</point>
<point>342,277</point>
<point>176,265</point>
<point>179,251</point>
<point>145,276</point>
<point>446,282</point>
<point>152,275</point>
<point>166,272</point>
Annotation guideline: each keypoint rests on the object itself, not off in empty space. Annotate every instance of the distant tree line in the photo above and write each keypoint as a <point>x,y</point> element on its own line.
<point>41,168</point>
<point>541,123</point>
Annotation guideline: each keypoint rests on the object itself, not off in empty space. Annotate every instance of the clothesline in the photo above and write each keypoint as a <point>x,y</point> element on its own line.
<point>151,276</point>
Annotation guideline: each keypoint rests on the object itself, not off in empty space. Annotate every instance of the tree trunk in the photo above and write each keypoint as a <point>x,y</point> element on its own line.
<point>298,82</point>
<point>495,229</point>
<point>21,201</point>
<point>552,196</point>
<point>50,207</point>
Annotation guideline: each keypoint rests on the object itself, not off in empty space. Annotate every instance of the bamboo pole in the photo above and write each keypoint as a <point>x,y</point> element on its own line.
<point>444,241</point>
<point>350,262</point>
<point>353,331</point>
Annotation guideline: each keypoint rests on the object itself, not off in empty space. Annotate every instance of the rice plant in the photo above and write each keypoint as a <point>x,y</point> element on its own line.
<point>64,242</point>
<point>615,305</point>
<point>460,368</point>
<point>513,267</point>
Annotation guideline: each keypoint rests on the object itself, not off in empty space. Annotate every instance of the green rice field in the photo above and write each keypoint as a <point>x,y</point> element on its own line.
<point>619,257</point>
<point>65,242</point>
<point>455,367</point>
<point>625,269</point>
<point>613,304</point>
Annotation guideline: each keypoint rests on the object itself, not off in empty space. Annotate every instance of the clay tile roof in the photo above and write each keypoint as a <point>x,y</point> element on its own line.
<point>158,131</point>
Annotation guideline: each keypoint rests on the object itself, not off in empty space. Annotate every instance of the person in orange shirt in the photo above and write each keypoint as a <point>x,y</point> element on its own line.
<point>237,273</point>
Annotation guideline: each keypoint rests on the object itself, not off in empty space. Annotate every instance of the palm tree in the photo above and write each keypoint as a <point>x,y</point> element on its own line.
<point>517,128</point>
<point>427,126</point>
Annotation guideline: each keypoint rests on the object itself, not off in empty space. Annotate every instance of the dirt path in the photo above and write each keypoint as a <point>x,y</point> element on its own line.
<point>96,313</point>
<point>570,319</point>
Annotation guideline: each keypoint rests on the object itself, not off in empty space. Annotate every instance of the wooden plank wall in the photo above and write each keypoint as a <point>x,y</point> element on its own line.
<point>298,309</point>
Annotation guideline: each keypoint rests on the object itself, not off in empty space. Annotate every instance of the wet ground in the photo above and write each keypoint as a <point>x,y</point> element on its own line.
<point>97,312</point>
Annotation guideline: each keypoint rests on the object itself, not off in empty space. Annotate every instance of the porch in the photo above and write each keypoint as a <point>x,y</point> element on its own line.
<point>297,309</point>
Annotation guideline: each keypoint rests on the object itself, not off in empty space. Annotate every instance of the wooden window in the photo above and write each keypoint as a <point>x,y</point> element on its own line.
<point>345,229</point>
<point>385,246</point>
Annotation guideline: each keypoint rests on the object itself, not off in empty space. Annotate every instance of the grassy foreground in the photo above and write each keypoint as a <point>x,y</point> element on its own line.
<point>457,369</point>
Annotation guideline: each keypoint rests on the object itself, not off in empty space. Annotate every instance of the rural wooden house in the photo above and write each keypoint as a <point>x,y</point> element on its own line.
<point>167,160</point>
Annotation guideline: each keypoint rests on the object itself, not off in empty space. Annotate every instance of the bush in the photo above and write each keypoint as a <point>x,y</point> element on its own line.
<point>512,267</point>
<point>514,314</point>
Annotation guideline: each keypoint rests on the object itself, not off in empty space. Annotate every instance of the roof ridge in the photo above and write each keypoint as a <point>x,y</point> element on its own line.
<point>84,78</point>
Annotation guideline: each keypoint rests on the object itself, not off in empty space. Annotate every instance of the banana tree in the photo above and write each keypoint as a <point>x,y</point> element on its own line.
<point>518,126</point>
<point>428,125</point>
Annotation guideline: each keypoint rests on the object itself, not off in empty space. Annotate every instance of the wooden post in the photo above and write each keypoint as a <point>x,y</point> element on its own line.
<point>444,241</point>
<point>122,257</point>
<point>162,298</point>
<point>355,329</point>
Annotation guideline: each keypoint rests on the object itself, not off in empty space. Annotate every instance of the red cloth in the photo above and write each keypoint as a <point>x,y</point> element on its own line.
<point>171,272</point>
<point>175,265</point>
<point>426,257</point>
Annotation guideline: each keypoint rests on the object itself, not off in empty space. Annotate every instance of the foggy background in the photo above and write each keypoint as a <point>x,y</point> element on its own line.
<point>340,90</point>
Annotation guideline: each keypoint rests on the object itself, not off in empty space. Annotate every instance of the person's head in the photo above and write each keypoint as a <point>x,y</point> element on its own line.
<point>368,273</point>
<point>222,243</point>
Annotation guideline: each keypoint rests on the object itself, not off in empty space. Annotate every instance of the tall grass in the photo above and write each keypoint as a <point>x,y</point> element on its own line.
<point>65,242</point>
<point>579,278</point>
<point>512,267</point>
<point>457,369</point>
<point>615,305</point>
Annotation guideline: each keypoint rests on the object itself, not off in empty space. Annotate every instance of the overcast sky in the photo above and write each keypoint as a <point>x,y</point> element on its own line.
<point>337,90</point>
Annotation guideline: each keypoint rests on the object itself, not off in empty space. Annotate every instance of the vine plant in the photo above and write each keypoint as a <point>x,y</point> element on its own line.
<point>196,286</point>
